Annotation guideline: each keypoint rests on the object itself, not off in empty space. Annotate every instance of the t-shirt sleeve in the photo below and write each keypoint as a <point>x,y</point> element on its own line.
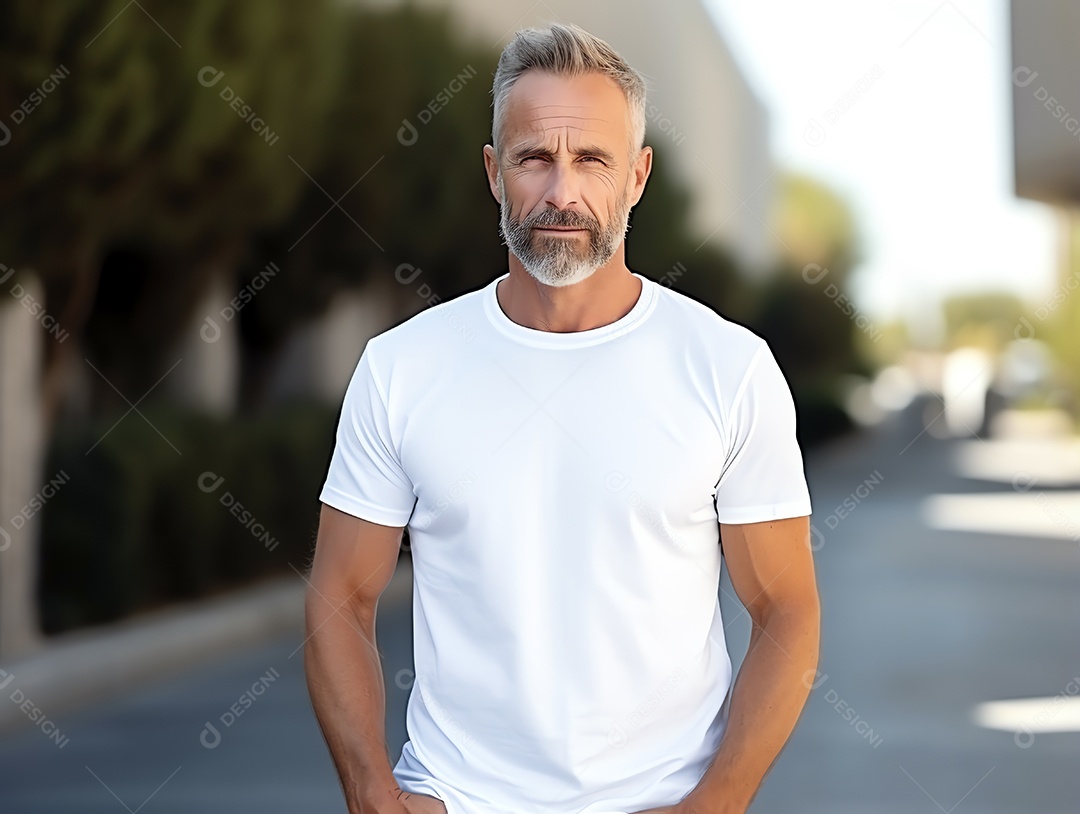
<point>365,477</point>
<point>763,476</point>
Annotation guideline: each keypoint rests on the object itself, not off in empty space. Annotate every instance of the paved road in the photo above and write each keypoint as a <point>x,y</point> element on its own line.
<point>921,624</point>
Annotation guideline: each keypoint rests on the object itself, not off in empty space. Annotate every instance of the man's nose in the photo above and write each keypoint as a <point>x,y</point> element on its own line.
<point>562,191</point>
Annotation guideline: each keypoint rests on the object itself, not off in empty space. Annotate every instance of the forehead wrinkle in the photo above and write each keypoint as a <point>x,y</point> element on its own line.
<point>539,130</point>
<point>554,121</point>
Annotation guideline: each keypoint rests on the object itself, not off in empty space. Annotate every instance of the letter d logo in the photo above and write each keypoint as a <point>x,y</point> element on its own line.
<point>208,482</point>
<point>407,133</point>
<point>210,76</point>
<point>1024,331</point>
<point>210,332</point>
<point>1023,76</point>
<point>214,739</point>
<point>814,134</point>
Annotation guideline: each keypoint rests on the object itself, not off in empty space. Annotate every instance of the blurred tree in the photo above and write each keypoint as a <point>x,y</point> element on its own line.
<point>170,135</point>
<point>814,225</point>
<point>804,308</point>
<point>660,245</point>
<point>986,319</point>
<point>255,85</point>
<point>402,152</point>
<point>1056,318</point>
<point>143,125</point>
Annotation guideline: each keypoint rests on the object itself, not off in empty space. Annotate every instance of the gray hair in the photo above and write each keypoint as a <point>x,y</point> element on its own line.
<point>566,50</point>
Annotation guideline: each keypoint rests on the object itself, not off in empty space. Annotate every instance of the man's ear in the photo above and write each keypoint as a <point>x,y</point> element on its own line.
<point>639,173</point>
<point>491,166</point>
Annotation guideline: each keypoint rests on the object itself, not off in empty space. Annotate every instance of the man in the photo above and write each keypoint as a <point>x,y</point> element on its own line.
<point>567,445</point>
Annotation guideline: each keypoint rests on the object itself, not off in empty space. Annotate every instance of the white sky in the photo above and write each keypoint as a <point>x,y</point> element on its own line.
<point>923,157</point>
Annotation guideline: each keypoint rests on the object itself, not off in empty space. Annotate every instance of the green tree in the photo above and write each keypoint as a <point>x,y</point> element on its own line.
<point>805,309</point>
<point>111,138</point>
<point>132,148</point>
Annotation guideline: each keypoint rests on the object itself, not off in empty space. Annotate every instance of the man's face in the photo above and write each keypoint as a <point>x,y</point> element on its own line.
<point>564,179</point>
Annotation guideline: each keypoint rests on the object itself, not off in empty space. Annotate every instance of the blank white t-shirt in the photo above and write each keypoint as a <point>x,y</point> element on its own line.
<point>563,493</point>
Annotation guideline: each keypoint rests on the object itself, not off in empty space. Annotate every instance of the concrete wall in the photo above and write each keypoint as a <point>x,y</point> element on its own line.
<point>1045,74</point>
<point>320,358</point>
<point>208,376</point>
<point>21,464</point>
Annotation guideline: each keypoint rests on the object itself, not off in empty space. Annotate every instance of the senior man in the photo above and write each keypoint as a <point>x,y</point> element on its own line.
<point>568,446</point>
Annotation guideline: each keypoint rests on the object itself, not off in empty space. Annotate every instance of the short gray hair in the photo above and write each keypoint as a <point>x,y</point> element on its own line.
<point>566,50</point>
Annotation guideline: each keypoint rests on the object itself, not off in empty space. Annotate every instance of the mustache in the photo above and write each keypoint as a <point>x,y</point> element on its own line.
<point>561,217</point>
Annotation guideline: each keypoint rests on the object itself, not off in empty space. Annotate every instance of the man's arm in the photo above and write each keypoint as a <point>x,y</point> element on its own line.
<point>354,561</point>
<point>772,570</point>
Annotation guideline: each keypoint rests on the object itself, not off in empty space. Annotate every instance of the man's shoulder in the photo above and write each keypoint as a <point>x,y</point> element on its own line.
<point>708,328</point>
<point>455,319</point>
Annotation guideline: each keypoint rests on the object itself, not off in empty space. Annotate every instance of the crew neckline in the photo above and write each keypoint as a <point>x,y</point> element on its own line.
<point>644,306</point>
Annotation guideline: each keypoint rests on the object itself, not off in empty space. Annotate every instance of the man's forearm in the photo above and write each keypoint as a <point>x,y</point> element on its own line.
<point>767,698</point>
<point>345,681</point>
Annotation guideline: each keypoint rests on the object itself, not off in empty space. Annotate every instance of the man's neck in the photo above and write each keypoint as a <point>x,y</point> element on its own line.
<point>605,296</point>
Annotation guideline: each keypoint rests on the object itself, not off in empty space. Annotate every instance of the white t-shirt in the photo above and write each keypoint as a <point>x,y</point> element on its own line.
<point>563,493</point>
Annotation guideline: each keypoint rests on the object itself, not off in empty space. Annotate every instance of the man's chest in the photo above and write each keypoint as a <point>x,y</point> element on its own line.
<point>594,432</point>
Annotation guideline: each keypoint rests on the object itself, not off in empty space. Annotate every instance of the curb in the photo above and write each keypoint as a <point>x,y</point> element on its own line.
<point>77,669</point>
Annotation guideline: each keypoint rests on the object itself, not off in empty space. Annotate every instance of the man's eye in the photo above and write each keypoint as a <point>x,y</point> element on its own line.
<point>592,158</point>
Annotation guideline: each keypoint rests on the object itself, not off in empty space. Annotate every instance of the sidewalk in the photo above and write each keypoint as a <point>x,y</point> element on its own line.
<point>84,667</point>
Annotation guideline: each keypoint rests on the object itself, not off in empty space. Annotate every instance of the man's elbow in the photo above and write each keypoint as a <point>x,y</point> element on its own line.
<point>795,621</point>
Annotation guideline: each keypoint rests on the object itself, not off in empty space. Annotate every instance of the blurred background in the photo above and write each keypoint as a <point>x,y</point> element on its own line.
<point>210,206</point>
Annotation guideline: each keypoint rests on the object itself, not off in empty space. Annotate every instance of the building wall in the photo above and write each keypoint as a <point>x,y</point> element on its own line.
<point>1046,100</point>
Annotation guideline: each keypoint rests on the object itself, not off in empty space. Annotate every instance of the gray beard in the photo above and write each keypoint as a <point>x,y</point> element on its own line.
<point>559,261</point>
